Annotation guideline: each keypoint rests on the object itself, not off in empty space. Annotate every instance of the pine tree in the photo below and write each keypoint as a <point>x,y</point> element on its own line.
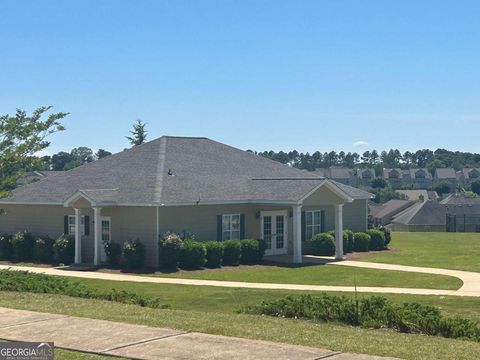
<point>139,134</point>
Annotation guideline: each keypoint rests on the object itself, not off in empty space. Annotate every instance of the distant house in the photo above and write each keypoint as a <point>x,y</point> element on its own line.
<point>446,175</point>
<point>340,174</point>
<point>463,213</point>
<point>365,176</point>
<point>467,175</point>
<point>424,216</point>
<point>417,178</point>
<point>32,176</point>
<point>415,195</point>
<point>382,214</point>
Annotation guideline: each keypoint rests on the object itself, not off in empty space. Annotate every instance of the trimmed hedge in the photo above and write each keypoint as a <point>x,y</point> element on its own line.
<point>114,253</point>
<point>214,254</point>
<point>23,281</point>
<point>323,244</point>
<point>232,252</point>
<point>387,234</point>
<point>23,244</point>
<point>371,312</point>
<point>348,239</point>
<point>169,247</point>
<point>193,255</point>
<point>64,249</point>
<point>377,239</point>
<point>6,247</point>
<point>133,254</point>
<point>249,251</point>
<point>361,242</point>
<point>43,251</point>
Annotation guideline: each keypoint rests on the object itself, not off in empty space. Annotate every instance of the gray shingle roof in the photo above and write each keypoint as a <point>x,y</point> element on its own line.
<point>178,170</point>
<point>391,207</point>
<point>445,173</point>
<point>425,213</point>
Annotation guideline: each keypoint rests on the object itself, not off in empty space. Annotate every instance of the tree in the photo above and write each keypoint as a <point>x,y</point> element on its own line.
<point>139,134</point>
<point>21,137</point>
<point>386,194</point>
<point>82,155</point>
<point>379,183</point>
<point>100,154</point>
<point>475,186</point>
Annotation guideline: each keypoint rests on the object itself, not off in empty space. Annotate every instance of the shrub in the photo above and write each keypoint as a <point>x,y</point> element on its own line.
<point>23,244</point>
<point>64,249</point>
<point>348,238</point>
<point>232,251</point>
<point>323,244</point>
<point>371,312</point>
<point>361,242</point>
<point>262,247</point>
<point>250,251</point>
<point>133,254</point>
<point>169,250</point>
<point>114,252</point>
<point>193,255</point>
<point>377,239</point>
<point>387,235</point>
<point>23,281</point>
<point>43,251</point>
<point>5,247</point>
<point>214,254</point>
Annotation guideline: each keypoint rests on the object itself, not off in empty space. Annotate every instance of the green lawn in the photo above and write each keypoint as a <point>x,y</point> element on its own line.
<point>75,355</point>
<point>323,275</point>
<point>458,251</point>
<point>301,332</point>
<point>230,300</point>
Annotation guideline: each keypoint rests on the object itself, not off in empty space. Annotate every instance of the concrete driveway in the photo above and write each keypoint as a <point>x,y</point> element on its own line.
<point>148,343</point>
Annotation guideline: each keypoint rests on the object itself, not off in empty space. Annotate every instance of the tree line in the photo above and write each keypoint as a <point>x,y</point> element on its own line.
<point>393,158</point>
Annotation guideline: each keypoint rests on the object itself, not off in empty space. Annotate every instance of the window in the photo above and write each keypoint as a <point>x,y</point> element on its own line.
<point>106,232</point>
<point>71,225</point>
<point>231,227</point>
<point>314,223</point>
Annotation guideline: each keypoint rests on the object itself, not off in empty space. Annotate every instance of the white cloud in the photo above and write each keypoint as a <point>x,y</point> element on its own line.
<point>43,152</point>
<point>361,143</point>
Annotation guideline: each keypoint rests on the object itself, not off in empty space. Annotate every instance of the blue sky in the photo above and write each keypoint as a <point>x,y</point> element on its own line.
<point>305,75</point>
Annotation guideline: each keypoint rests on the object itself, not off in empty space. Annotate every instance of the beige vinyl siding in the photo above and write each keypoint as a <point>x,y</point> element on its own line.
<point>38,219</point>
<point>355,215</point>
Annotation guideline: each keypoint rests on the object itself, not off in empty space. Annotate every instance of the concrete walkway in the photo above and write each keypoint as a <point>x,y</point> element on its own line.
<point>231,284</point>
<point>148,343</point>
<point>471,280</point>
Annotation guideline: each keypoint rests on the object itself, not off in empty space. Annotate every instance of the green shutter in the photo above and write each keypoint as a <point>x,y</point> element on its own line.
<point>87,225</point>
<point>65,224</point>
<point>303,226</point>
<point>219,227</point>
<point>242,226</point>
<point>322,221</point>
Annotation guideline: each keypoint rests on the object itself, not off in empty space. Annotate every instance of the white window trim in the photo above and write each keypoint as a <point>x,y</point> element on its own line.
<point>313,225</point>
<point>109,219</point>
<point>82,229</point>
<point>231,230</point>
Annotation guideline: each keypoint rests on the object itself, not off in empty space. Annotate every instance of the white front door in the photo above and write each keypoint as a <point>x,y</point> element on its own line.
<point>274,231</point>
<point>106,236</point>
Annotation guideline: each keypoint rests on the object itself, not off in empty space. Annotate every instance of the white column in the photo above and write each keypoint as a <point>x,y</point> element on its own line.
<point>297,234</point>
<point>339,232</point>
<point>97,212</point>
<point>78,236</point>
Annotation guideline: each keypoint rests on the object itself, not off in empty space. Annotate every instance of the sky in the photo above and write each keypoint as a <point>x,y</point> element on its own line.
<point>282,75</point>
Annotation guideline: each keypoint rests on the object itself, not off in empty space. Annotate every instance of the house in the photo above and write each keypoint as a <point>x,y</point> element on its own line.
<point>32,176</point>
<point>423,216</point>
<point>463,213</point>
<point>382,214</point>
<point>416,178</point>
<point>445,175</point>
<point>467,175</point>
<point>365,176</point>
<point>415,195</point>
<point>338,173</point>
<point>178,184</point>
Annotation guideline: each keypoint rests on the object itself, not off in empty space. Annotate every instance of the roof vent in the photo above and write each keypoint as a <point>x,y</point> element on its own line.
<point>170,173</point>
